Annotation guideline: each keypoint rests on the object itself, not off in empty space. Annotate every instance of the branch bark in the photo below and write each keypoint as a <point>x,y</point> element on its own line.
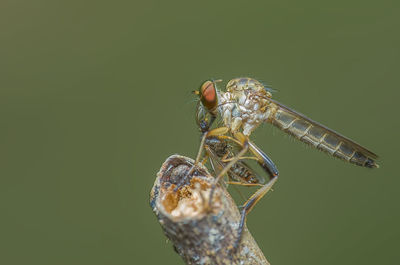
<point>202,232</point>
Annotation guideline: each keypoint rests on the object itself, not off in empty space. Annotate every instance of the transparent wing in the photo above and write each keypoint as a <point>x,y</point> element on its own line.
<point>321,137</point>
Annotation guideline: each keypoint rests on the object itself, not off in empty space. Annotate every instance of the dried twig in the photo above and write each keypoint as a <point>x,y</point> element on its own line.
<point>201,234</point>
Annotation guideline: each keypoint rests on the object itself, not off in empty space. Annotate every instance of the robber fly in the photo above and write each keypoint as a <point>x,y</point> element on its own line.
<point>243,106</point>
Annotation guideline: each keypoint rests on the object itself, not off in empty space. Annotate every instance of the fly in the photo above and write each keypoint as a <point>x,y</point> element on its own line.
<point>243,106</point>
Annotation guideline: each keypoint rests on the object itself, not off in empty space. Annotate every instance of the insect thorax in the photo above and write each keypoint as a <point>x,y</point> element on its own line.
<point>245,105</point>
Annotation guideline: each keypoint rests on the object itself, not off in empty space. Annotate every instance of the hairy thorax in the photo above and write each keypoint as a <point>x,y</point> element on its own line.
<point>245,104</point>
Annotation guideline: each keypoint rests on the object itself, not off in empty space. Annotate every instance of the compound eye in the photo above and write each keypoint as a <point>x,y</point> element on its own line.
<point>208,95</point>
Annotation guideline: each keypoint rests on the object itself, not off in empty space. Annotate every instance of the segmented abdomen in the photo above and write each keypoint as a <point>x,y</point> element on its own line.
<point>242,173</point>
<point>219,149</point>
<point>322,138</point>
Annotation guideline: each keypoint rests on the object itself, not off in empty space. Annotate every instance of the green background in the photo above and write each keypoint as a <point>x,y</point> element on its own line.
<point>95,95</point>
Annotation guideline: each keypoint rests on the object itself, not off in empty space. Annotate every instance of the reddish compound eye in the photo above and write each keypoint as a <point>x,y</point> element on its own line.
<point>208,95</point>
<point>208,91</point>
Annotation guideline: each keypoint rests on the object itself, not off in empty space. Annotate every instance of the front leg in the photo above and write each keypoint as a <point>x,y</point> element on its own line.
<point>209,133</point>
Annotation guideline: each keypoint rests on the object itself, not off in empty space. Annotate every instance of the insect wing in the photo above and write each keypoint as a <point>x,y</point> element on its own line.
<point>321,137</point>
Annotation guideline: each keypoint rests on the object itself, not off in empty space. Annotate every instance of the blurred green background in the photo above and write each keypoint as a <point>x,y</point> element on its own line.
<point>95,95</point>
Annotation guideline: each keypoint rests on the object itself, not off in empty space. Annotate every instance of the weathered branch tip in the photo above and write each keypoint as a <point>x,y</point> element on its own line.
<point>202,232</point>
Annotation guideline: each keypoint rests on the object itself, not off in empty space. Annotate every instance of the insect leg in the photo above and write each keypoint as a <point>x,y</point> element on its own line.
<point>208,133</point>
<point>267,164</point>
<point>237,157</point>
<point>250,203</point>
<point>244,184</point>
